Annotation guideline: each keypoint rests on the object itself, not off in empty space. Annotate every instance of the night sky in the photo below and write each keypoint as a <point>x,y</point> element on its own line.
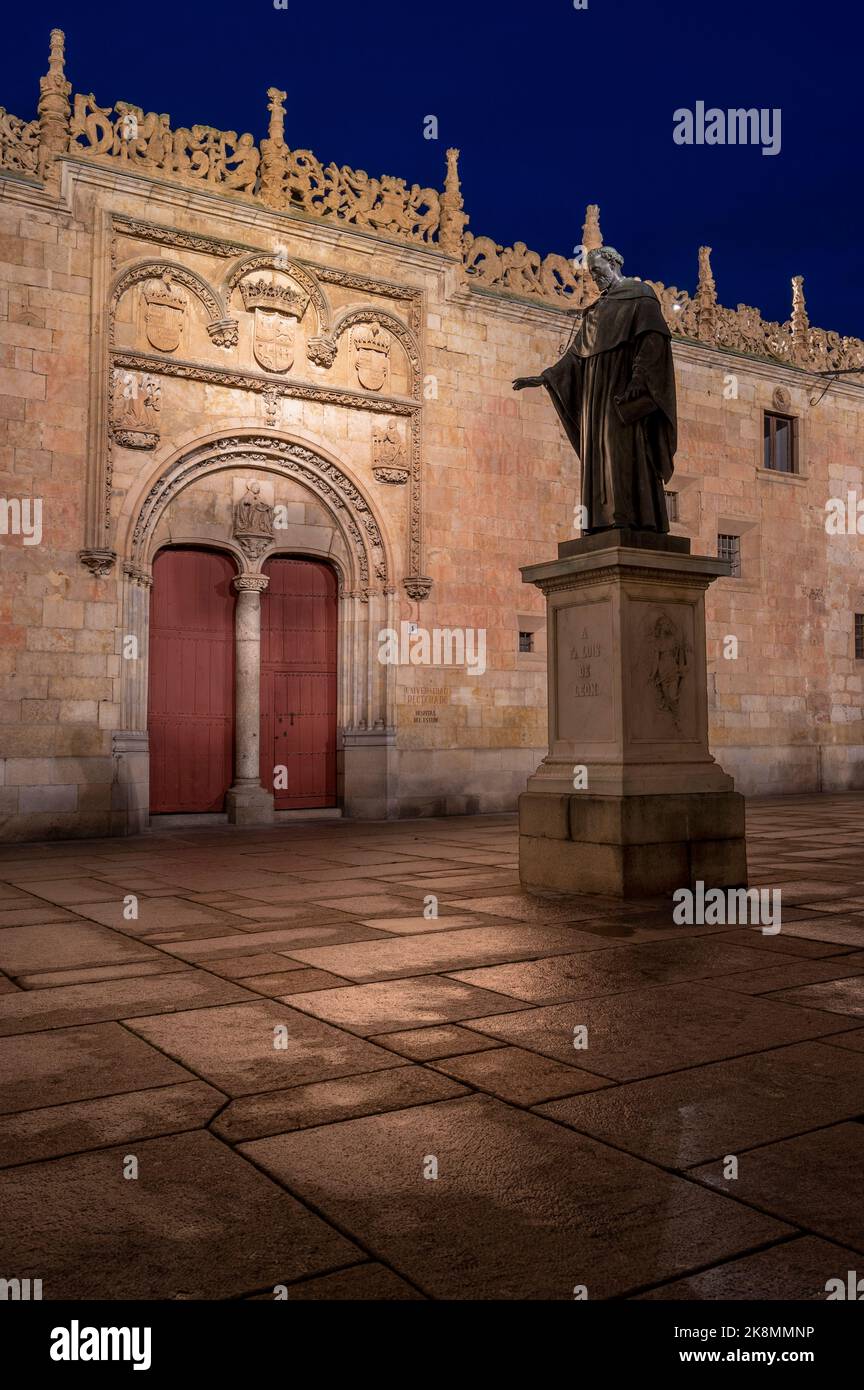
<point>552,108</point>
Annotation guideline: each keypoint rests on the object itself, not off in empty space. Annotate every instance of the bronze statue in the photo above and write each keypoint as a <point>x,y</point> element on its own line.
<point>614,390</point>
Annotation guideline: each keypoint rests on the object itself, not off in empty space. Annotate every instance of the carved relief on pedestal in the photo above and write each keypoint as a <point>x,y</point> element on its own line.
<point>134,410</point>
<point>666,661</point>
<point>277,309</point>
<point>253,520</point>
<point>165,308</point>
<point>370,347</point>
<point>388,453</point>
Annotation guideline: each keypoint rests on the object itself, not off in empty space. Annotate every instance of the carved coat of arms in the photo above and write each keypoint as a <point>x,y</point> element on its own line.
<point>278,309</point>
<point>163,318</point>
<point>371,345</point>
<point>273,341</point>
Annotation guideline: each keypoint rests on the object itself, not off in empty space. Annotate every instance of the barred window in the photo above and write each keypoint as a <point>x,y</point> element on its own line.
<point>526,641</point>
<point>859,636</point>
<point>672,506</point>
<point>729,548</point>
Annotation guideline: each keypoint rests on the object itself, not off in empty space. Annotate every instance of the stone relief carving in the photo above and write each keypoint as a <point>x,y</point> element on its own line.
<point>667,661</point>
<point>164,314</point>
<point>388,453</point>
<point>19,143</point>
<point>277,309</point>
<point>135,402</point>
<point>370,346</point>
<point>253,522</point>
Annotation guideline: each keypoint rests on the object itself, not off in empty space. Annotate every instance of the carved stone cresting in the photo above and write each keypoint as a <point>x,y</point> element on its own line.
<point>165,308</point>
<point>19,143</point>
<point>388,453</point>
<point>134,412</point>
<point>253,522</point>
<point>453,218</point>
<point>370,346</point>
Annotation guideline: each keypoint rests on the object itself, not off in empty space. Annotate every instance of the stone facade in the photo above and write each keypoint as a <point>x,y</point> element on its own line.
<point>185,313</point>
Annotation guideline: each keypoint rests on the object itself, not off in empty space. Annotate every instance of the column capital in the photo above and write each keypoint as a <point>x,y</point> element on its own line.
<point>251,583</point>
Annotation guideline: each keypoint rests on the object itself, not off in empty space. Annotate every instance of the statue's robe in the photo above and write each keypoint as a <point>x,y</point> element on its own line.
<point>623,342</point>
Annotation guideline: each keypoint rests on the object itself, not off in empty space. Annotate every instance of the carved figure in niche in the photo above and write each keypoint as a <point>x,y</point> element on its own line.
<point>388,453</point>
<point>253,522</point>
<point>371,345</point>
<point>135,403</point>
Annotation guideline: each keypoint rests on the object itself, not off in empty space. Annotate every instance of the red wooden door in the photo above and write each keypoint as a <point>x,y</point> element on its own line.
<point>298,683</point>
<point>191,698</point>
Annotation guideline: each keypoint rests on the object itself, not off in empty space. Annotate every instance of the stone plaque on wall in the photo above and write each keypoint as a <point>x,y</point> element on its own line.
<point>584,649</point>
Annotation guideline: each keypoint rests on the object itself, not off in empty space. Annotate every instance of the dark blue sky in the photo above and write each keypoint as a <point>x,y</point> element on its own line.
<point>552,108</point>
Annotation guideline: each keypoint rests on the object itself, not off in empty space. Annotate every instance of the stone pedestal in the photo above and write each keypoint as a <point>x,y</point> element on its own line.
<point>628,801</point>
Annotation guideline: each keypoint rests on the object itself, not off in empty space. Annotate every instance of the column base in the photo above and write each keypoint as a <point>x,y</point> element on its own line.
<point>247,803</point>
<point>631,846</point>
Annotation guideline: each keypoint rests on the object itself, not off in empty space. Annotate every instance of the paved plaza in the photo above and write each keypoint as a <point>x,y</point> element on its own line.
<point>236,1061</point>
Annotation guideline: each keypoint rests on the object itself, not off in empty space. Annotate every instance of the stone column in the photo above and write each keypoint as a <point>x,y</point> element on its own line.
<point>247,802</point>
<point>629,800</point>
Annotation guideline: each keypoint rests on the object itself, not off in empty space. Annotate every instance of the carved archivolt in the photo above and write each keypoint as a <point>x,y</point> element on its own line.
<point>350,508</point>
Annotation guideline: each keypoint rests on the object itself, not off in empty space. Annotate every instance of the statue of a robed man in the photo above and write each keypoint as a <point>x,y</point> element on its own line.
<point>614,390</point>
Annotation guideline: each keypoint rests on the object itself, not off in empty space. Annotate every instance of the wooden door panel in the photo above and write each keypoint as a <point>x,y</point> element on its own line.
<point>298,683</point>
<point>191,694</point>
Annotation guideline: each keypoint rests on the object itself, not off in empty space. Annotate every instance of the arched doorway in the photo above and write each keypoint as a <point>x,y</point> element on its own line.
<point>191,685</point>
<point>299,624</point>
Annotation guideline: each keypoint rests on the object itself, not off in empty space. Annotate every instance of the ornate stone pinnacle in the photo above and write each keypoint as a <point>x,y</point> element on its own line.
<point>800,320</point>
<point>53,109</point>
<point>276,107</point>
<point>451,230</point>
<point>592,237</point>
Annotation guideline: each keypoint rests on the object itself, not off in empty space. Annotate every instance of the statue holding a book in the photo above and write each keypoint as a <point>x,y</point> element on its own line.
<point>614,390</point>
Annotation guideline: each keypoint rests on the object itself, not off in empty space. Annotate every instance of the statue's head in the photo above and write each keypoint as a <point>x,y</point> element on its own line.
<point>605,265</point>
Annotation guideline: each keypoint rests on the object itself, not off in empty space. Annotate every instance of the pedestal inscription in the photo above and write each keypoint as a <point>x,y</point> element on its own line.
<point>583,641</point>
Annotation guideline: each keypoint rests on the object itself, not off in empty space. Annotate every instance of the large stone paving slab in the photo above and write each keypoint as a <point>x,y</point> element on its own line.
<point>794,1271</point>
<point>529,1209</point>
<point>844,996</point>
<point>615,970</point>
<point>446,950</point>
<point>23,949</point>
<point>198,1222</point>
<point>396,1005</point>
<point>814,1181</point>
<point>323,1102</point>
<point>657,1030</point>
<point>76,1063</point>
<point>95,1124</point>
<point>724,1108</point>
<point>34,1009</point>
<point>274,939</point>
<point>239,1049</point>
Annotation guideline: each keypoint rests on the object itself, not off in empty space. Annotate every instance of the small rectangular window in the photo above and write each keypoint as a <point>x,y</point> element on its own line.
<point>859,636</point>
<point>729,548</point>
<point>526,641</point>
<point>672,505</point>
<point>779,443</point>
